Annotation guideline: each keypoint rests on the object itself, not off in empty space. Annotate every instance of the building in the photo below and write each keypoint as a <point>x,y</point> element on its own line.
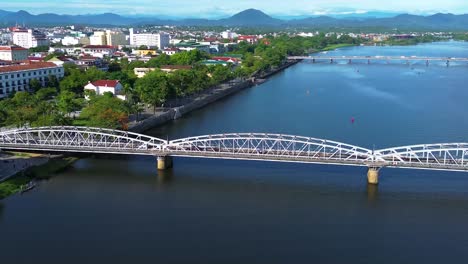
<point>228,35</point>
<point>188,46</point>
<point>170,51</point>
<point>13,53</point>
<point>173,68</point>
<point>86,62</point>
<point>102,86</point>
<point>141,72</point>
<point>248,39</point>
<point>17,77</point>
<point>115,38</point>
<point>98,39</point>
<point>159,40</point>
<point>70,41</point>
<point>28,38</point>
<point>99,50</point>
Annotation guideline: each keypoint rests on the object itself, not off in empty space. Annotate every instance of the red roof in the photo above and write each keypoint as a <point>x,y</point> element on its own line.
<point>225,59</point>
<point>25,67</point>
<point>98,47</point>
<point>108,83</point>
<point>8,48</point>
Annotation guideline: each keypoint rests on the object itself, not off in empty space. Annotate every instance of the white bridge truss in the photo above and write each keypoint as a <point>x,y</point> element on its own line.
<point>248,146</point>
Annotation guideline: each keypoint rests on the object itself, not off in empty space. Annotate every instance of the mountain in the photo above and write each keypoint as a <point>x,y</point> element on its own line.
<point>248,18</point>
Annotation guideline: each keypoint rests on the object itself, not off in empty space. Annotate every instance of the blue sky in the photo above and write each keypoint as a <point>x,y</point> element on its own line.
<point>222,8</point>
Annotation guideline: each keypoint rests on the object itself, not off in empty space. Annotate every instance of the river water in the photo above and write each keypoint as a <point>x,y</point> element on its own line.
<point>119,210</point>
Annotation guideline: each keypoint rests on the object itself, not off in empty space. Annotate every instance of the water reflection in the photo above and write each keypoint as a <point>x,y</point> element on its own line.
<point>2,206</point>
<point>372,193</point>
<point>165,177</point>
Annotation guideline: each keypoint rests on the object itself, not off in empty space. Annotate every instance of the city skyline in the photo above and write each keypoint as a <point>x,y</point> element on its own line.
<point>217,9</point>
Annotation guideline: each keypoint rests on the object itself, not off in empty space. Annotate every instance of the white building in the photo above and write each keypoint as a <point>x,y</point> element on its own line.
<point>170,51</point>
<point>229,35</point>
<point>17,77</point>
<point>141,72</point>
<point>13,53</point>
<point>160,40</point>
<point>102,86</point>
<point>28,38</point>
<point>70,41</point>
<point>98,38</point>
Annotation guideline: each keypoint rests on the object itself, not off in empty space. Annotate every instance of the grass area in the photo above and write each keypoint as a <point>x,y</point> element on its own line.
<point>80,122</point>
<point>13,185</point>
<point>337,46</point>
<point>45,171</point>
<point>25,154</point>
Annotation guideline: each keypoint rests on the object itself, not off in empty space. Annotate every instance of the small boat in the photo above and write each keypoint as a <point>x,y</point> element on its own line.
<point>27,187</point>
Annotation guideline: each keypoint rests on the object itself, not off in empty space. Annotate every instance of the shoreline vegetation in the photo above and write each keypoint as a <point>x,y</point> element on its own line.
<point>17,182</point>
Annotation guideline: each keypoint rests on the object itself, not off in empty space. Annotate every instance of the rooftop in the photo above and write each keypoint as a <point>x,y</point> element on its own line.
<point>106,83</point>
<point>9,48</point>
<point>26,67</point>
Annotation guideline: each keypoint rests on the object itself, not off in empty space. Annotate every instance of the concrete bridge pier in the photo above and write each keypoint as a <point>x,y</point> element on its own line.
<point>373,175</point>
<point>313,60</point>
<point>448,63</point>
<point>331,60</point>
<point>164,162</point>
<point>368,61</point>
<point>427,62</point>
<point>349,62</point>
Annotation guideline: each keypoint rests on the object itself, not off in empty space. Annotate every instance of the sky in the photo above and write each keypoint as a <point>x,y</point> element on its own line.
<point>224,8</point>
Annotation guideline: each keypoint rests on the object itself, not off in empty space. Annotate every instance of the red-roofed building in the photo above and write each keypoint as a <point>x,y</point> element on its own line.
<point>17,77</point>
<point>102,86</point>
<point>227,59</point>
<point>13,53</point>
<point>249,39</point>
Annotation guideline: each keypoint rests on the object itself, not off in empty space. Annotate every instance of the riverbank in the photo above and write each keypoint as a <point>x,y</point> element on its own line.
<point>22,168</point>
<point>211,95</point>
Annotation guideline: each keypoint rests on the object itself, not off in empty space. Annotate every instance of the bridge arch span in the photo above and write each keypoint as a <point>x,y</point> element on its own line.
<point>449,156</point>
<point>273,146</point>
<point>79,139</point>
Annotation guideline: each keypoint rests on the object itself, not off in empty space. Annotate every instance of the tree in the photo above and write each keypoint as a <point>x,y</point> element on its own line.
<point>66,102</point>
<point>35,85</point>
<point>143,47</point>
<point>106,111</point>
<point>154,88</point>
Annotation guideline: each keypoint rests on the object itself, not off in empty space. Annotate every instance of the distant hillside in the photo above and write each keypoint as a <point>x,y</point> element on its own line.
<point>248,18</point>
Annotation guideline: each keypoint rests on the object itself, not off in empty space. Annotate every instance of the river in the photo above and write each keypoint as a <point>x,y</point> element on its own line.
<point>119,210</point>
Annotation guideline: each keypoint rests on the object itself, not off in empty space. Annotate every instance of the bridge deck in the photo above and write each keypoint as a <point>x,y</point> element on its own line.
<point>383,58</point>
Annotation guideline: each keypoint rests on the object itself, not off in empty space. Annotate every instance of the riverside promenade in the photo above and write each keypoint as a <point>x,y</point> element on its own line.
<point>182,107</point>
<point>11,165</point>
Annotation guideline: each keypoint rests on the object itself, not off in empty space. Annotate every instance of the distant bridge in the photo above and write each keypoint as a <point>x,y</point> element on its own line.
<point>369,59</point>
<point>243,146</point>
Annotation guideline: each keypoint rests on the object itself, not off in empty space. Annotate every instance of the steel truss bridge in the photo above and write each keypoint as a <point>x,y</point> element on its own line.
<point>244,146</point>
<point>378,58</point>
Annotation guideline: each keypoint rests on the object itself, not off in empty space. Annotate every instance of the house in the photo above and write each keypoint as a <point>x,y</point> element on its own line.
<point>170,51</point>
<point>248,39</point>
<point>232,60</point>
<point>87,62</point>
<point>99,50</point>
<point>102,86</point>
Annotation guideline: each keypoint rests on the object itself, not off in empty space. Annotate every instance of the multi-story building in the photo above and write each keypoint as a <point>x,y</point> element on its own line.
<point>98,38</point>
<point>18,77</point>
<point>13,53</point>
<point>160,40</point>
<point>115,38</point>
<point>99,50</point>
<point>28,38</point>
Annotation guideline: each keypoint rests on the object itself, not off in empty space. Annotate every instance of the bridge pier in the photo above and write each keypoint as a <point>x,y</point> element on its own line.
<point>164,162</point>
<point>373,175</point>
